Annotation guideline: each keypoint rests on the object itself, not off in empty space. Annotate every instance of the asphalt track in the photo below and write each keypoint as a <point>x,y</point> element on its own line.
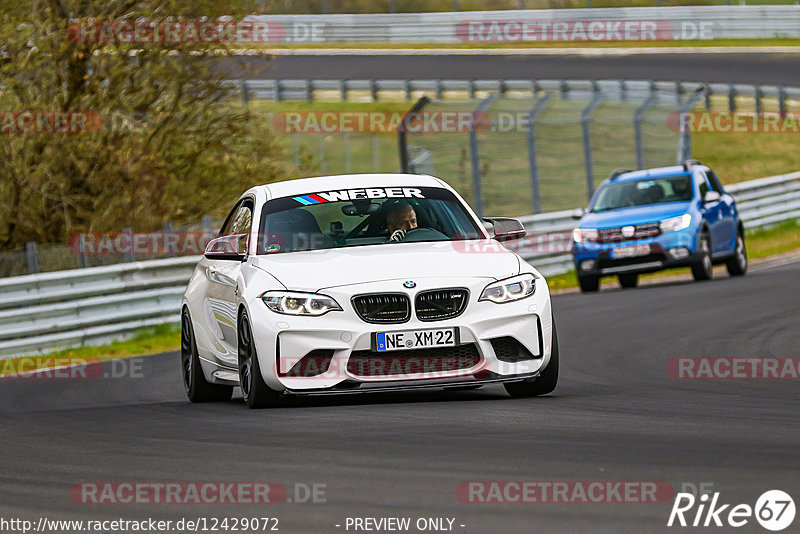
<point>746,68</point>
<point>616,415</point>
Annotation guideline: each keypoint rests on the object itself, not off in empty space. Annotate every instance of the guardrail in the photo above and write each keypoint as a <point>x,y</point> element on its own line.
<point>45,312</point>
<point>532,25</point>
<point>311,89</point>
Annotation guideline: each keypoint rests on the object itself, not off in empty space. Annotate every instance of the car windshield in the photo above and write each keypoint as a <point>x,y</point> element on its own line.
<point>642,192</point>
<point>356,217</point>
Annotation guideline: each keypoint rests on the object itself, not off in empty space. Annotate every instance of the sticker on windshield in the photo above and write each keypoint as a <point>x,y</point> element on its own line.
<point>355,194</point>
<point>274,247</point>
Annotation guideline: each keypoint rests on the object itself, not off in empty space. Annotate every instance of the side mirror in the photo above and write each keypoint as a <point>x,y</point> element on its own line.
<point>227,247</point>
<point>578,213</point>
<point>711,196</point>
<point>506,229</point>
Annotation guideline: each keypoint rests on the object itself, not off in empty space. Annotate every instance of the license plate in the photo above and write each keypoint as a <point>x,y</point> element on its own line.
<point>630,252</point>
<point>415,339</point>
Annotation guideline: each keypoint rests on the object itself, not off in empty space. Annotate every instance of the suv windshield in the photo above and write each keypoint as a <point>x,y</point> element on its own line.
<point>355,217</point>
<point>642,192</point>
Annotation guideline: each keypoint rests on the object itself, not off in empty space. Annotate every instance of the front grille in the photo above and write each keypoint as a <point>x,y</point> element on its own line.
<point>440,304</point>
<point>641,231</point>
<point>508,349</point>
<point>383,308</point>
<point>412,362</point>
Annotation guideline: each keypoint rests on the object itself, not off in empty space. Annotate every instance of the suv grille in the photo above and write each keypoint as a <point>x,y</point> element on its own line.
<point>440,304</point>
<point>641,231</point>
<point>383,308</point>
<point>409,362</point>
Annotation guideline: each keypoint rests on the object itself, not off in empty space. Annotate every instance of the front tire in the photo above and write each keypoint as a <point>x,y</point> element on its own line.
<point>544,383</point>
<point>589,284</point>
<point>194,382</point>
<point>256,393</point>
<point>737,265</point>
<point>703,269</point>
<point>628,280</point>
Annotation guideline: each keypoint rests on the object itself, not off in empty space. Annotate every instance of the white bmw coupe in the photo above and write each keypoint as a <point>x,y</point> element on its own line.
<point>363,283</point>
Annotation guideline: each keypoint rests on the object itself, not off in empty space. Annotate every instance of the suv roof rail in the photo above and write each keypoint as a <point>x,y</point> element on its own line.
<point>617,172</point>
<point>689,163</point>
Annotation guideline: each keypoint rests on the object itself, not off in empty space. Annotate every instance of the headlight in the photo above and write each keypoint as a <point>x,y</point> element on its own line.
<point>294,303</point>
<point>584,234</point>
<point>510,289</point>
<point>676,223</point>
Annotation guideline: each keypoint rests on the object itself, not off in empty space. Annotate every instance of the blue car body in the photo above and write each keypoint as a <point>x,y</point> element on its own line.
<point>644,238</point>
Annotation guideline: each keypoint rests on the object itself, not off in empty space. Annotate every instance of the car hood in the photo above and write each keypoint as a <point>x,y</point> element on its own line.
<point>318,269</point>
<point>634,215</point>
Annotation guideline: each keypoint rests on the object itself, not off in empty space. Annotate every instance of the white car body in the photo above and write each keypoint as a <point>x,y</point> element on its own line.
<point>220,290</point>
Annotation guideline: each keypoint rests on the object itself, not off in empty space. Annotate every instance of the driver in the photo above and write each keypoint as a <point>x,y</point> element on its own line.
<point>680,189</point>
<point>400,218</point>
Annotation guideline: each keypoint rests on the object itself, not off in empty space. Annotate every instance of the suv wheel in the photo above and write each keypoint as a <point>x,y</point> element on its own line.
<point>628,280</point>
<point>703,269</point>
<point>589,283</point>
<point>737,265</point>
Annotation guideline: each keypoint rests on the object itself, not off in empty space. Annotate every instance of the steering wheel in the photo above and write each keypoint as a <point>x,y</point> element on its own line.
<point>424,234</point>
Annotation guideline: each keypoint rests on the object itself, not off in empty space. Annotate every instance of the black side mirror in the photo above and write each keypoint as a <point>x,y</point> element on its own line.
<point>506,229</point>
<point>228,247</point>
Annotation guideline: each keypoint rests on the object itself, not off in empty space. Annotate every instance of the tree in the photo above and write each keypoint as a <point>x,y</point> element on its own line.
<point>153,132</point>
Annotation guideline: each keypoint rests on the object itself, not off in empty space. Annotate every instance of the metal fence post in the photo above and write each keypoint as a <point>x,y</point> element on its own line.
<point>83,257</point>
<point>402,132</point>
<point>167,229</point>
<point>534,168</point>
<point>732,98</point>
<point>207,229</point>
<point>32,254</point>
<point>586,117</point>
<point>477,185</point>
<point>782,101</point>
<point>759,105</point>
<point>129,255</point>
<point>638,116</point>
<point>685,136</point>
<point>245,93</point>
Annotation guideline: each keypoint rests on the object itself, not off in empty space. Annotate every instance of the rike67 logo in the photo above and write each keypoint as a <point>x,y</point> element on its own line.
<point>774,510</point>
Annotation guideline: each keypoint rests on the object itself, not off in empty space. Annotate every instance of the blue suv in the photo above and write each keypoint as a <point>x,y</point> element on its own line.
<point>644,221</point>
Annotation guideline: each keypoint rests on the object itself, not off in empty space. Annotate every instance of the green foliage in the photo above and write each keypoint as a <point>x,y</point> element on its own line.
<point>165,138</point>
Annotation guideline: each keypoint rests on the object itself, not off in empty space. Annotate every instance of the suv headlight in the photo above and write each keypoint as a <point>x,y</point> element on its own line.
<point>676,223</point>
<point>296,303</point>
<point>584,234</point>
<point>510,289</point>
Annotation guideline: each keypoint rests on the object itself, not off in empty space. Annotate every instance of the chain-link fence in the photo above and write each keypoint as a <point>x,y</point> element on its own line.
<point>549,152</point>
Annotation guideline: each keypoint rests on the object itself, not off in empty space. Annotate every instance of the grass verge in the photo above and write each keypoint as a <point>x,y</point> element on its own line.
<point>154,340</point>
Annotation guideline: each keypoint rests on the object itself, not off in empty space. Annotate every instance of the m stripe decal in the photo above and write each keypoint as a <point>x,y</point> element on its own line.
<point>304,200</point>
<point>317,198</point>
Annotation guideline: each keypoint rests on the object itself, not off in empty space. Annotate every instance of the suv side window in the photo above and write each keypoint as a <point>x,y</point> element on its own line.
<point>715,183</point>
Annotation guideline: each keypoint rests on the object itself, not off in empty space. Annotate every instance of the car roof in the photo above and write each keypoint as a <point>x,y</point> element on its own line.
<point>660,172</point>
<point>302,186</point>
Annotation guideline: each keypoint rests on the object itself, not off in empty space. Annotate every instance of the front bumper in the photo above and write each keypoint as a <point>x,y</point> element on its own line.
<point>666,251</point>
<point>282,341</point>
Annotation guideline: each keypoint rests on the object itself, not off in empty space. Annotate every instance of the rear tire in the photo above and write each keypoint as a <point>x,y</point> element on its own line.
<point>628,280</point>
<point>256,393</point>
<point>589,284</point>
<point>737,265</point>
<point>194,382</point>
<point>543,384</point>
<point>703,268</point>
